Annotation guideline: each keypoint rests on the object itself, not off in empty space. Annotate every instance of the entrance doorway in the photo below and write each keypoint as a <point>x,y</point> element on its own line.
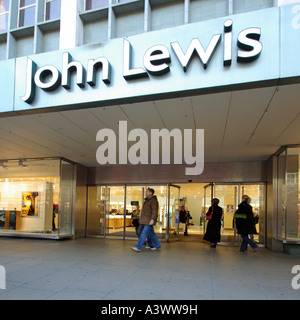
<point>113,209</point>
<point>197,198</point>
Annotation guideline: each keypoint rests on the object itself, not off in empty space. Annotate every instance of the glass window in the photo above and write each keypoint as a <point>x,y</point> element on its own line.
<point>25,3</point>
<point>288,215</point>
<point>122,1</point>
<point>94,4</point>
<point>29,194</point>
<point>281,197</point>
<point>292,194</point>
<point>256,192</point>
<point>4,6</point>
<point>35,197</point>
<point>4,10</point>
<point>66,198</point>
<point>52,9</point>
<point>105,214</point>
<point>26,13</point>
<point>240,6</point>
<point>207,9</point>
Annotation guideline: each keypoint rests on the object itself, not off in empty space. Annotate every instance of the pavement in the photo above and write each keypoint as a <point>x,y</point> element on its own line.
<point>104,269</point>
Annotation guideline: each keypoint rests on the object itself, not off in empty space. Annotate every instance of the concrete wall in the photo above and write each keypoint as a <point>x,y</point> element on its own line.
<point>213,172</point>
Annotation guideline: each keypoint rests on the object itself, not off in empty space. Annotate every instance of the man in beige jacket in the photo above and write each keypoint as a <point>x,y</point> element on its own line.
<point>148,218</point>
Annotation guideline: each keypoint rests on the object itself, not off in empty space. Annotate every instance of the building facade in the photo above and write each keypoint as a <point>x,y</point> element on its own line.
<point>102,98</point>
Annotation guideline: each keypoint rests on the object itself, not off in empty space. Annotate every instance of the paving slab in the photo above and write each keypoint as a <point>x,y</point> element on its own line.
<point>106,269</point>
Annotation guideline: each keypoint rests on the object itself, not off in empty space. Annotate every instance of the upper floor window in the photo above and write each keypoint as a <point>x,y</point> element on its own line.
<point>95,4</point>
<point>26,13</point>
<point>122,1</point>
<point>4,10</point>
<point>52,9</point>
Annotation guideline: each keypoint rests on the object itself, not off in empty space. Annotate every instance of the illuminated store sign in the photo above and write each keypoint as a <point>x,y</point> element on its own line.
<point>156,61</point>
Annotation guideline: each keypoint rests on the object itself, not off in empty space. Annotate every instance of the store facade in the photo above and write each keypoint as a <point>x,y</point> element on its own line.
<point>37,198</point>
<point>234,63</point>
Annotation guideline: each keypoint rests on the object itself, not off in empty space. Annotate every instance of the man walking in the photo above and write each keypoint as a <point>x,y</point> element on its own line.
<point>246,225</point>
<point>148,218</point>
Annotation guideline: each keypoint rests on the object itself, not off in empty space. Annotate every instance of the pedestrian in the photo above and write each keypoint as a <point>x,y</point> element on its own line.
<point>245,224</point>
<point>135,218</point>
<point>183,218</point>
<point>148,218</point>
<point>213,230</point>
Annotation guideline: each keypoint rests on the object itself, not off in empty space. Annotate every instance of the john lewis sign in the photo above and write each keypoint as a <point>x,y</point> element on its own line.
<point>156,61</point>
<point>196,58</point>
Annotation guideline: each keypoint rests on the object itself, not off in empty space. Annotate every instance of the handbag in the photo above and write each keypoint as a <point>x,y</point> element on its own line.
<point>238,215</point>
<point>210,215</point>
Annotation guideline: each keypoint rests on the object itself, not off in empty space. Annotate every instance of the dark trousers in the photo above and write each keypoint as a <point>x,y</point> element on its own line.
<point>247,241</point>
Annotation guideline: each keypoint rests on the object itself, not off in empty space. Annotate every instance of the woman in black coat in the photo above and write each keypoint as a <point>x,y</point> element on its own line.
<point>213,230</point>
<point>246,226</point>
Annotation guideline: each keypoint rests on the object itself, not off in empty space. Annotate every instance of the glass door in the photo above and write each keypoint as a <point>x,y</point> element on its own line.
<point>161,192</point>
<point>173,212</point>
<point>134,203</point>
<point>115,212</point>
<point>98,204</point>
<point>208,195</point>
<point>228,195</point>
<point>257,194</point>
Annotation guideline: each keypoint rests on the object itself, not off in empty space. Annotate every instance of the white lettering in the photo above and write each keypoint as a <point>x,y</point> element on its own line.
<point>128,72</point>
<point>156,60</point>
<point>68,66</point>
<point>165,136</point>
<point>2,278</point>
<point>296,279</point>
<point>106,153</point>
<point>295,20</point>
<point>118,310</point>
<point>91,74</point>
<point>188,151</point>
<point>248,41</point>
<point>196,46</point>
<point>44,72</point>
<point>140,147</point>
<point>138,152</point>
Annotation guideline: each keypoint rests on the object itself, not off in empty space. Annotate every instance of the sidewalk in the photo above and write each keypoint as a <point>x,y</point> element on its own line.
<point>107,269</point>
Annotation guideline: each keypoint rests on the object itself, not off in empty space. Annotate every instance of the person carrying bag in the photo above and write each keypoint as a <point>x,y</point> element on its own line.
<point>245,223</point>
<point>213,230</point>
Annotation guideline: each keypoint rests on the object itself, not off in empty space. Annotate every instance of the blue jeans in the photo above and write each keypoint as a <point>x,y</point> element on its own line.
<point>148,232</point>
<point>139,232</point>
<point>247,241</point>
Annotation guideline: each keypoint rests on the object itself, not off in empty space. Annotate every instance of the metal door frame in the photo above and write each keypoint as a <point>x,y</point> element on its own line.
<point>212,185</point>
<point>168,211</point>
<point>237,197</point>
<point>143,188</point>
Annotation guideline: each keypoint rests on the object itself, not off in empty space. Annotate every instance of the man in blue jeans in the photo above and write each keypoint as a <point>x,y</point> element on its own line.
<point>148,218</point>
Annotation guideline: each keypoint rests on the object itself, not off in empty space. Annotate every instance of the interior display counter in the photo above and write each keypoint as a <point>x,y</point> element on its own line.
<point>117,221</point>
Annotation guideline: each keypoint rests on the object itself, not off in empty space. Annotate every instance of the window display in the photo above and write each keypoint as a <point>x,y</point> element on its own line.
<point>30,197</point>
<point>288,214</point>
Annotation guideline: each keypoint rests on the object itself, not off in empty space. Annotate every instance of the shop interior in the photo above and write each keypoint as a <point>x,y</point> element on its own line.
<point>106,209</point>
<point>31,202</point>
